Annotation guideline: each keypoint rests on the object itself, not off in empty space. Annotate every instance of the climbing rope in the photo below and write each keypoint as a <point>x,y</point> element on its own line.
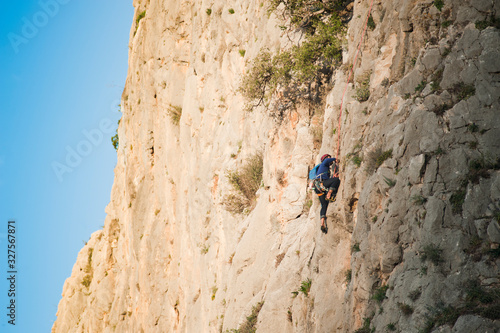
<point>348,80</point>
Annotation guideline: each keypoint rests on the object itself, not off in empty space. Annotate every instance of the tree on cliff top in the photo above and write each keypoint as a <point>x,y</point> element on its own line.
<point>312,61</point>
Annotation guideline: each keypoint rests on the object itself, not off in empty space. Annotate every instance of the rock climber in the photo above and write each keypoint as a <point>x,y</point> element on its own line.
<point>326,187</point>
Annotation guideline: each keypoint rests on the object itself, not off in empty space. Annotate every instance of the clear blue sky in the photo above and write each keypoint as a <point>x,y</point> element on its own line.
<point>62,71</point>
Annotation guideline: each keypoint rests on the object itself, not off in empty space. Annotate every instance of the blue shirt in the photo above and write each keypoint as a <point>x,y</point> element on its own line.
<point>324,168</point>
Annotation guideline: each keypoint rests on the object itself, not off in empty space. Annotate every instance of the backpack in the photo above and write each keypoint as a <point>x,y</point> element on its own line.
<point>314,172</point>
<point>312,176</point>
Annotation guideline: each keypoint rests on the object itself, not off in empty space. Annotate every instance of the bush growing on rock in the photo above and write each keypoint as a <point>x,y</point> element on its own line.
<point>383,156</point>
<point>138,19</point>
<point>299,66</point>
<point>420,87</point>
<point>305,287</point>
<point>376,158</point>
<point>114,141</point>
<point>457,200</point>
<point>363,89</point>
<point>432,253</point>
<point>478,300</point>
<point>475,292</point>
<point>87,279</point>
<point>305,13</point>
<point>379,293</point>
<point>140,16</point>
<point>463,91</point>
<point>415,294</point>
<point>366,326</point>
<point>405,309</point>
<point>440,315</point>
<point>479,168</point>
<point>390,182</point>
<point>438,4</point>
<point>418,200</point>
<point>255,84</point>
<point>491,22</point>
<point>439,110</point>
<point>355,248</point>
<point>348,276</point>
<point>250,325</point>
<point>245,182</point>
<point>248,180</point>
<point>362,93</point>
<point>371,23</point>
<point>356,159</point>
<point>175,113</point>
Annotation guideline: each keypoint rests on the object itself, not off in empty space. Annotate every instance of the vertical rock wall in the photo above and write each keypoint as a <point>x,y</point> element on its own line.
<point>412,229</point>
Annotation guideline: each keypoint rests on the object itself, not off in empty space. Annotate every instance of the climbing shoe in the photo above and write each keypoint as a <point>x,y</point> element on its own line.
<point>332,198</point>
<point>324,228</point>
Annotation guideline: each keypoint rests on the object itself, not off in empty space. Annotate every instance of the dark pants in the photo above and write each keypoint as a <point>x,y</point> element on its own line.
<point>329,184</point>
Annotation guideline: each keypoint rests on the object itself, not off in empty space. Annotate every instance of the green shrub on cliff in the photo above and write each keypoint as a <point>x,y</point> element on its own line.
<point>305,13</point>
<point>305,287</point>
<point>310,61</point>
<point>439,4</point>
<point>87,279</point>
<point>245,181</point>
<point>256,81</point>
<point>250,325</point>
<point>138,19</point>
<point>114,141</point>
<point>175,113</point>
<point>371,23</point>
<point>363,87</point>
<point>380,294</point>
<point>140,16</point>
<point>432,253</point>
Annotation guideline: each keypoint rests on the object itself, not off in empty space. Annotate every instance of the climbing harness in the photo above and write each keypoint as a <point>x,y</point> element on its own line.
<point>336,174</point>
<point>320,189</point>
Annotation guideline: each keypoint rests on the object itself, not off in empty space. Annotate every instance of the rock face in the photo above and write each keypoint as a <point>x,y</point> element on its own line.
<point>413,235</point>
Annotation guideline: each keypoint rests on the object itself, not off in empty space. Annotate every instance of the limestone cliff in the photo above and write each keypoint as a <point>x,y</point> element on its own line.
<point>413,235</point>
